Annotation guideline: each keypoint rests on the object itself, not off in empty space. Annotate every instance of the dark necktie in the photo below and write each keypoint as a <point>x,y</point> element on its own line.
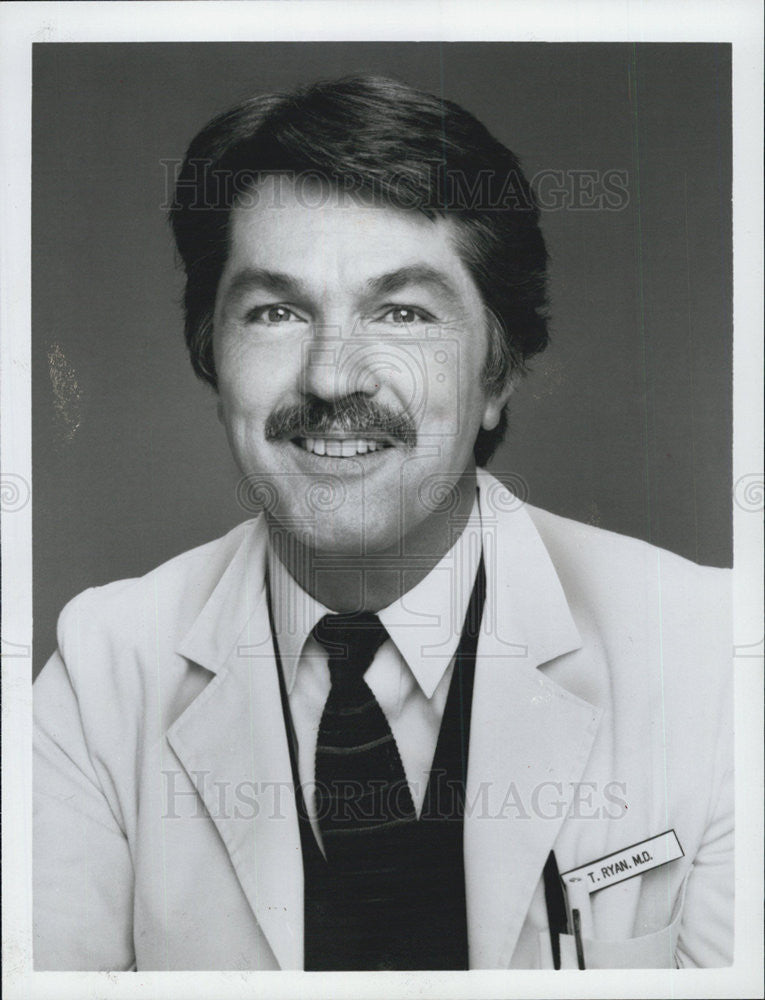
<point>361,790</point>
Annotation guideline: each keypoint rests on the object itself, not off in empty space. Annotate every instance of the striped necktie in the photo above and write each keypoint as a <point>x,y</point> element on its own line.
<point>362,793</point>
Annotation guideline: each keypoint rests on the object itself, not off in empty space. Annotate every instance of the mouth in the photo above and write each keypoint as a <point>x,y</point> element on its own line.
<point>341,447</point>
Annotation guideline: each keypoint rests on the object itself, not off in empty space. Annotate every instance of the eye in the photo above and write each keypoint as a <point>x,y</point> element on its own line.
<point>404,315</point>
<point>273,315</point>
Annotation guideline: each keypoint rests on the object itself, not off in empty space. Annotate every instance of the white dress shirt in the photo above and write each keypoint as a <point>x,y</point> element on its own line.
<point>410,674</point>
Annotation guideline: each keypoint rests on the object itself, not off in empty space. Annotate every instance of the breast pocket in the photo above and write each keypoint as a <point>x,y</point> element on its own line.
<point>649,951</point>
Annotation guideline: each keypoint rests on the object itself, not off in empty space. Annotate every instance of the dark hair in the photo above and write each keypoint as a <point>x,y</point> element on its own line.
<point>407,149</point>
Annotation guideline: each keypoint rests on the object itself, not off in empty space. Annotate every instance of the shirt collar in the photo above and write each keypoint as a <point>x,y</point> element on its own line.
<point>425,623</point>
<point>295,615</point>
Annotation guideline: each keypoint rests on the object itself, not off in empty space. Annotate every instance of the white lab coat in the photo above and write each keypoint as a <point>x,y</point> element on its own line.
<point>601,717</point>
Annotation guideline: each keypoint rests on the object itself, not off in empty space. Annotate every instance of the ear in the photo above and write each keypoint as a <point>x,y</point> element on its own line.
<point>496,403</point>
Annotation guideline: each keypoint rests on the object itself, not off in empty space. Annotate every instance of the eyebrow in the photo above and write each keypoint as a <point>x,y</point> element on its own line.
<point>276,282</point>
<point>283,284</point>
<point>412,274</point>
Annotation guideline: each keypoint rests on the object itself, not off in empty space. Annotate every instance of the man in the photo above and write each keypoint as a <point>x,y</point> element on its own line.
<point>369,728</point>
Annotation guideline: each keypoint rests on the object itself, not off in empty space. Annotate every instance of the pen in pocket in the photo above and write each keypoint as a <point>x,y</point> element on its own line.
<point>579,913</point>
<point>555,903</point>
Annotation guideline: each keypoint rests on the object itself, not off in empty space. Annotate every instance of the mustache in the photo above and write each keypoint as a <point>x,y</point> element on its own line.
<point>352,414</point>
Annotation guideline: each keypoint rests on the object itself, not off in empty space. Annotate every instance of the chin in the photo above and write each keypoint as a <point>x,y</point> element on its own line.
<point>353,540</point>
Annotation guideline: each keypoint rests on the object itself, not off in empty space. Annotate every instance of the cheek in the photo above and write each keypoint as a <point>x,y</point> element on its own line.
<point>454,389</point>
<point>251,376</point>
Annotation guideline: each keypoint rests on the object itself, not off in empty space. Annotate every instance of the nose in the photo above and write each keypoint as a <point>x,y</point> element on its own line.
<point>335,364</point>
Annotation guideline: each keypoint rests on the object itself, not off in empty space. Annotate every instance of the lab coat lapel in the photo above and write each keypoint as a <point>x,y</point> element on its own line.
<point>232,742</point>
<point>529,737</point>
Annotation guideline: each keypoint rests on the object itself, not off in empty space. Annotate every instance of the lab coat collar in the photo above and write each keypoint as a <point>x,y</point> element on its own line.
<point>528,612</point>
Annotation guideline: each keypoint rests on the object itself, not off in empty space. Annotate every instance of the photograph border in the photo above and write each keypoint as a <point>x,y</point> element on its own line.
<point>22,24</point>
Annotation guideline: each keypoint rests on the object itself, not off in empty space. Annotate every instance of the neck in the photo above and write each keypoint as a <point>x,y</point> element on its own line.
<point>374,581</point>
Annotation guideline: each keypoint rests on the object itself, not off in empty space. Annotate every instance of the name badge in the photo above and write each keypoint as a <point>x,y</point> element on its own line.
<point>624,864</point>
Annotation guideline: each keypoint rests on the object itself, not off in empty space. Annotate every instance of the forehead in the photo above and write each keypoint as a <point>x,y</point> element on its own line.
<point>323,234</point>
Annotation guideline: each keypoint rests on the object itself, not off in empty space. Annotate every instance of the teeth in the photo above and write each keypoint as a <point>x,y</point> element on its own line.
<point>340,447</point>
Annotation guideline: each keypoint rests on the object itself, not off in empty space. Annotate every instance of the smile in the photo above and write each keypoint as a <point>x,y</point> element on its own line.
<point>340,447</point>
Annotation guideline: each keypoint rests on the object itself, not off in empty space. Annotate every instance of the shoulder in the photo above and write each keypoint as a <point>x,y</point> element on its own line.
<point>583,552</point>
<point>634,602</point>
<point>650,612</point>
<point>154,609</point>
<point>605,559</point>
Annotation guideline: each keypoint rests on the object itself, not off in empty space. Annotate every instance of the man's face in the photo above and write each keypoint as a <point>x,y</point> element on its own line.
<point>349,342</point>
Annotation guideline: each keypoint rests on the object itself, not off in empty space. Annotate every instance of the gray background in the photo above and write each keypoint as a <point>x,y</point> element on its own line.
<point>625,421</point>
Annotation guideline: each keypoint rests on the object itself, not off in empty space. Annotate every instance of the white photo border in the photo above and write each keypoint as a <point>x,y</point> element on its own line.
<point>22,24</point>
